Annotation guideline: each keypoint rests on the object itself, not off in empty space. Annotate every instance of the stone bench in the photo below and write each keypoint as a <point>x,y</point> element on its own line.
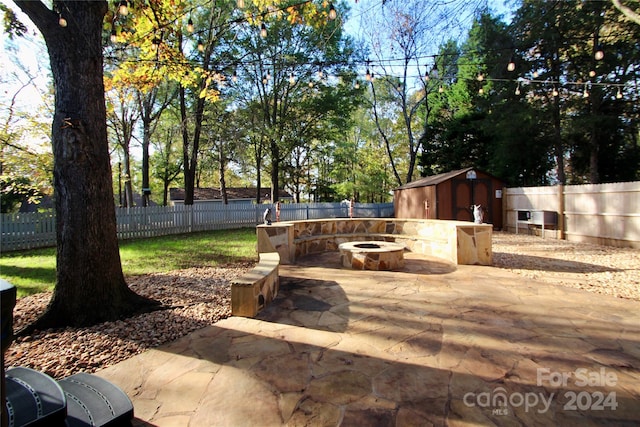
<point>256,288</point>
<point>459,242</point>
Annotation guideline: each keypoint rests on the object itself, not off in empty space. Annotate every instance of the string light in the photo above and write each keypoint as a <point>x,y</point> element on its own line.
<point>518,89</point>
<point>292,79</point>
<point>62,22</point>
<point>441,89</point>
<point>123,8</point>
<point>200,46</point>
<point>511,66</point>
<point>367,76</point>
<point>234,77</point>
<point>585,94</point>
<point>114,36</point>
<point>263,31</point>
<point>619,94</point>
<point>332,12</point>
<point>555,92</point>
<point>434,71</point>
<point>480,77</point>
<point>240,4</point>
<point>190,26</point>
<point>599,54</point>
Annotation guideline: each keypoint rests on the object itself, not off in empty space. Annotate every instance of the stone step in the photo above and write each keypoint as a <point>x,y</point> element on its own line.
<point>34,399</point>
<point>93,401</point>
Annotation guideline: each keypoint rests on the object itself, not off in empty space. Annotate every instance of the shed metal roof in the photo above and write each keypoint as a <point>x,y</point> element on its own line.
<point>434,179</point>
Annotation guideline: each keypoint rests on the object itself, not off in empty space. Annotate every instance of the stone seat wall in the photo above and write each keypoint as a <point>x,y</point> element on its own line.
<point>256,288</point>
<point>459,242</point>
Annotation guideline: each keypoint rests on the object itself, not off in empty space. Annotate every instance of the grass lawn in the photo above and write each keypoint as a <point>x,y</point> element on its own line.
<point>35,270</point>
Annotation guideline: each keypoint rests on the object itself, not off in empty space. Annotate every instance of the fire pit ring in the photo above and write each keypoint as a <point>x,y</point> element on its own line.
<point>372,255</point>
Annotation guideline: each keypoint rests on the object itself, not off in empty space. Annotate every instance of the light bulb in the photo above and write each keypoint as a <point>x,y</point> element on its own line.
<point>332,12</point>
<point>62,22</point>
<point>481,91</point>
<point>114,36</point>
<point>441,89</point>
<point>619,94</point>
<point>357,85</point>
<point>263,30</point>
<point>123,8</point>
<point>240,4</point>
<point>310,84</point>
<point>234,77</point>
<point>599,55</point>
<point>535,74</point>
<point>585,94</point>
<point>264,80</point>
<point>434,71</point>
<point>292,79</point>
<point>200,46</point>
<point>518,89</point>
<point>368,76</point>
<point>555,92</point>
<point>190,26</point>
<point>592,73</point>
<point>480,77</point>
<point>511,66</point>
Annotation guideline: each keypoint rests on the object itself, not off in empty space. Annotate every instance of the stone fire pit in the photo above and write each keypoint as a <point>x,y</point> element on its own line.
<point>372,255</point>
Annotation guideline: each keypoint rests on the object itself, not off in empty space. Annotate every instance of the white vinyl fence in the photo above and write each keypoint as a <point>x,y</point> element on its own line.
<point>34,230</point>
<point>600,213</point>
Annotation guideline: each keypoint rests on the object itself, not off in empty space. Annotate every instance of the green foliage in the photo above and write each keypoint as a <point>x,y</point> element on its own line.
<point>16,190</point>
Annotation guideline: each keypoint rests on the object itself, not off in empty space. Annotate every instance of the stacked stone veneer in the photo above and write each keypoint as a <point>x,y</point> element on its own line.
<point>257,288</point>
<point>457,241</point>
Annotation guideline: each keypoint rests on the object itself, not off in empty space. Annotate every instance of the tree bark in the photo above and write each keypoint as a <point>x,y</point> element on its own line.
<point>90,286</point>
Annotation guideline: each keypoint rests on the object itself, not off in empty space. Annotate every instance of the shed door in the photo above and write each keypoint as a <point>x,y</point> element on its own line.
<point>468,192</point>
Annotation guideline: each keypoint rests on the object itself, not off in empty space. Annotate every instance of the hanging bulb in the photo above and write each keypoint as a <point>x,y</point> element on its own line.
<point>268,76</point>
<point>234,77</point>
<point>373,77</point>
<point>263,31</point>
<point>357,85</point>
<point>200,46</point>
<point>434,71</point>
<point>592,73</point>
<point>585,94</point>
<point>332,12</point>
<point>240,4</point>
<point>320,74</point>
<point>511,66</point>
<point>555,91</point>
<point>190,25</point>
<point>441,89</point>
<point>480,77</point>
<point>310,84</point>
<point>368,76</point>
<point>481,91</point>
<point>292,79</point>
<point>518,89</point>
<point>155,42</point>
<point>62,22</point>
<point>114,36</point>
<point>599,54</point>
<point>123,8</point>
<point>619,94</point>
<point>535,74</point>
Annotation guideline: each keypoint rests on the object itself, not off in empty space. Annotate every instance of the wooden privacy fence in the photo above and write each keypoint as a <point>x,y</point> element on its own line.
<point>35,230</point>
<point>599,213</point>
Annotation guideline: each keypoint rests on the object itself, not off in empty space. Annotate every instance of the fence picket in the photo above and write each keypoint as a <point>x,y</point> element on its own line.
<point>34,230</point>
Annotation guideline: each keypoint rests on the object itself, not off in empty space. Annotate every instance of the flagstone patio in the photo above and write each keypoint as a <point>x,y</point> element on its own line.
<point>433,344</point>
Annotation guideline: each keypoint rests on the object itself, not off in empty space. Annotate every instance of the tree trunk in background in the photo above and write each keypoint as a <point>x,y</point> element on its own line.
<point>90,286</point>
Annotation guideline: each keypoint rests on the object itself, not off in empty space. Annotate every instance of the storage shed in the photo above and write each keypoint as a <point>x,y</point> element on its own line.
<point>450,196</point>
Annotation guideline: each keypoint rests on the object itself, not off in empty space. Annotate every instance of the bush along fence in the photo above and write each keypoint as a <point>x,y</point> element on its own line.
<point>35,230</point>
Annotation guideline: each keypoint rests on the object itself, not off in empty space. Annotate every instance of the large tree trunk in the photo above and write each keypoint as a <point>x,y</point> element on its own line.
<point>90,286</point>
